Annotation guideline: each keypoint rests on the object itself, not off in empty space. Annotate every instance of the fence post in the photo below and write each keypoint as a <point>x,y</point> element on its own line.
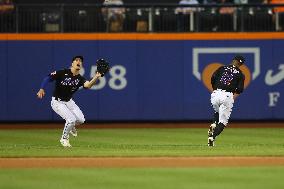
<point>17,19</point>
<point>191,21</point>
<point>277,28</point>
<point>150,19</point>
<point>62,18</point>
<point>235,19</point>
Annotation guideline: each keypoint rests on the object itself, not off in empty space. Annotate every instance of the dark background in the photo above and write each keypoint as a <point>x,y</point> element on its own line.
<point>91,1</point>
<point>125,1</point>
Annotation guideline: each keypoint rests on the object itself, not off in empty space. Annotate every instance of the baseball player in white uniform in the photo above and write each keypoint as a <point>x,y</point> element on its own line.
<point>227,82</point>
<point>67,82</point>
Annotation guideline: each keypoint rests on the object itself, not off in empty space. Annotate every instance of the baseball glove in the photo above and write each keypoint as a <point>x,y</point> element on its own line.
<point>102,66</point>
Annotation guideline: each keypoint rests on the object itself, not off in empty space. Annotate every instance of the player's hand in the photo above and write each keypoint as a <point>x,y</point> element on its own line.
<point>40,94</point>
<point>98,75</point>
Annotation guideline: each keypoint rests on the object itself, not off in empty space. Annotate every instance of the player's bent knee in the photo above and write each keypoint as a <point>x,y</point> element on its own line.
<point>80,121</point>
<point>71,121</point>
<point>224,123</point>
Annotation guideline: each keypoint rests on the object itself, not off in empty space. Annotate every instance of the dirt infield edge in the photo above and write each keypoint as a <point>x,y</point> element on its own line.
<point>153,162</point>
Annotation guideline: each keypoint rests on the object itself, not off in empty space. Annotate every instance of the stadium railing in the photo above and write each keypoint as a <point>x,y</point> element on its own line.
<point>89,18</point>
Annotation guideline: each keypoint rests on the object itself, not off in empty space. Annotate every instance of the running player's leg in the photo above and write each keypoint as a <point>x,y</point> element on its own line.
<point>215,102</point>
<point>62,110</point>
<point>223,121</point>
<point>80,118</point>
<point>224,114</point>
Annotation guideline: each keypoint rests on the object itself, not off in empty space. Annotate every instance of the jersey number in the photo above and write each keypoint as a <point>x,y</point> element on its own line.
<point>227,78</point>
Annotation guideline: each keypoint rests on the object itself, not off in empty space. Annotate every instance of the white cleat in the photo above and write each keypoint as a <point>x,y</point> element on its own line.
<point>211,141</point>
<point>211,129</point>
<point>65,142</point>
<point>73,132</point>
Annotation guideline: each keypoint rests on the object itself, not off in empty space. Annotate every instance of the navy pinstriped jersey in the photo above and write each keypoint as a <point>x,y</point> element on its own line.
<point>229,78</point>
<point>66,84</point>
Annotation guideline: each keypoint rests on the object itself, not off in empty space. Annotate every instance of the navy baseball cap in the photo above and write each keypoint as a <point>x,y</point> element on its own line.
<point>80,57</point>
<point>240,59</point>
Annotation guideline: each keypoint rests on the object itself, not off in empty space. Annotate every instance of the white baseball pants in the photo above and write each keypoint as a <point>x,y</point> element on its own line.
<point>222,102</point>
<point>70,112</point>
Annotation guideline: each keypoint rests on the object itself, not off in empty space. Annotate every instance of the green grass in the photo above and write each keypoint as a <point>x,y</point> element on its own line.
<point>144,178</point>
<point>142,142</point>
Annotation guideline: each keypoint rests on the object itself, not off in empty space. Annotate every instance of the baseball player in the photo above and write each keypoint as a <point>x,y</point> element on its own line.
<point>67,82</point>
<point>227,83</point>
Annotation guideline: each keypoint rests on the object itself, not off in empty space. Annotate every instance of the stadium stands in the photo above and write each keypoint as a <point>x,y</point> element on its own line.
<point>67,17</point>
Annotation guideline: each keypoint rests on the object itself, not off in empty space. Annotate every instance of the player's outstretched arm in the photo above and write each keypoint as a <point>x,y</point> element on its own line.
<point>40,94</point>
<point>89,84</point>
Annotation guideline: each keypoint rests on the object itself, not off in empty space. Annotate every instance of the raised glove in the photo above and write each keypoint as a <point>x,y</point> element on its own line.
<point>102,66</point>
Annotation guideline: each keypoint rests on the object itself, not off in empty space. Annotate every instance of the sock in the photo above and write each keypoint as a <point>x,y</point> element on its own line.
<point>218,130</point>
<point>67,129</point>
<point>216,117</point>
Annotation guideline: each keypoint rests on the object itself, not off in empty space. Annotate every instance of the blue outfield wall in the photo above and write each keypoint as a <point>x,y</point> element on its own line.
<point>149,80</point>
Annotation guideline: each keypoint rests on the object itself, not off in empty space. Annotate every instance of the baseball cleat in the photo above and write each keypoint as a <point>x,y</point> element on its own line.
<point>73,132</point>
<point>65,142</point>
<point>211,141</point>
<point>211,129</point>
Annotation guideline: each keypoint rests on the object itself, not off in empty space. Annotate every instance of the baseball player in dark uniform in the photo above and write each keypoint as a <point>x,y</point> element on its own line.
<point>67,82</point>
<point>227,82</point>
